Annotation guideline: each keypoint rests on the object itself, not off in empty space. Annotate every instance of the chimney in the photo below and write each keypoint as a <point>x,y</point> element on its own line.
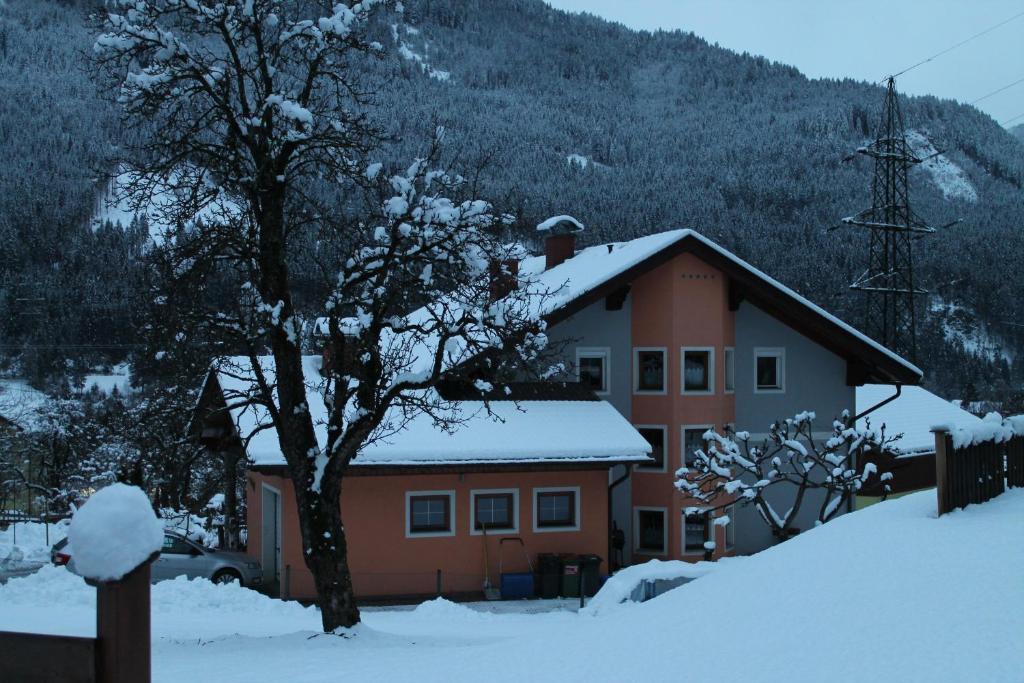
<point>504,277</point>
<point>559,239</point>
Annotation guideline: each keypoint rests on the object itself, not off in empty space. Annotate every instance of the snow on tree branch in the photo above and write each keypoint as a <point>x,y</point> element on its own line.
<point>732,470</point>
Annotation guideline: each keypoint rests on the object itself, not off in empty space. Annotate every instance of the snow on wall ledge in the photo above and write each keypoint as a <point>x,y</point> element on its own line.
<point>993,427</point>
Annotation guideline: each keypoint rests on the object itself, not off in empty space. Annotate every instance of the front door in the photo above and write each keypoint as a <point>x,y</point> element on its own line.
<point>270,537</point>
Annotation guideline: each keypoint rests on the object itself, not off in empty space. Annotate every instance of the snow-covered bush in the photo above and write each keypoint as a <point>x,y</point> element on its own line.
<point>732,470</point>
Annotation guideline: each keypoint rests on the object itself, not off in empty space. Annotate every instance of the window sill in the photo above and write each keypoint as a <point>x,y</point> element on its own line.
<point>686,392</point>
<point>428,534</point>
<point>548,529</point>
<point>649,392</point>
<point>769,391</point>
<point>496,530</point>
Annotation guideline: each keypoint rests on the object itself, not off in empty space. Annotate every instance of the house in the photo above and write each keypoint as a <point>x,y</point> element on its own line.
<point>682,336</point>
<point>912,414</point>
<point>425,510</point>
<point>675,334</point>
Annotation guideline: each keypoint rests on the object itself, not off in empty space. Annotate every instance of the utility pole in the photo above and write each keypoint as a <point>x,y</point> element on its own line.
<point>888,282</point>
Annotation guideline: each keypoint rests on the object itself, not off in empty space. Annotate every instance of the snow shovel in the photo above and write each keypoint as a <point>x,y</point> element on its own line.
<point>490,592</point>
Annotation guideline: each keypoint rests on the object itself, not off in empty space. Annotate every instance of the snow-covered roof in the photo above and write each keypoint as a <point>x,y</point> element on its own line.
<point>535,431</point>
<point>913,414</point>
<point>20,403</point>
<point>590,268</point>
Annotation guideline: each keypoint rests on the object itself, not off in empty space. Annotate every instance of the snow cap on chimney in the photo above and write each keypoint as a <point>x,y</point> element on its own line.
<point>559,239</point>
<point>560,225</point>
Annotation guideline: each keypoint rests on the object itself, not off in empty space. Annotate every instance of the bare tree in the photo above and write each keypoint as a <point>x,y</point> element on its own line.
<point>257,111</point>
<point>731,470</point>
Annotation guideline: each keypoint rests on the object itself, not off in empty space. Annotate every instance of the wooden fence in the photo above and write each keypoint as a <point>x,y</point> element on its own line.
<point>976,473</point>
<point>119,653</point>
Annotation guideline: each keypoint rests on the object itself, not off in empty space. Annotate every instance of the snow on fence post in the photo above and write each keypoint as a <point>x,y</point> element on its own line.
<point>115,537</point>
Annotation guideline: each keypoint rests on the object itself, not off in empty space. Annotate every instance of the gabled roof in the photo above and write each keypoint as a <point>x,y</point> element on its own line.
<point>913,414</point>
<point>596,272</point>
<point>529,425</point>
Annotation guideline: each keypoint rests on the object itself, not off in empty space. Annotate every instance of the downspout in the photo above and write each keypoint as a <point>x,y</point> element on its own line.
<point>611,489</point>
<point>899,390</point>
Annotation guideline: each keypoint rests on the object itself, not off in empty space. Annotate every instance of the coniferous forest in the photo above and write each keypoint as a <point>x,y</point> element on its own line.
<point>631,132</point>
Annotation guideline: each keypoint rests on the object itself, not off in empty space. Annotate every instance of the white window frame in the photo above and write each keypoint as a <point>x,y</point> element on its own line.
<point>514,529</point>
<point>409,533</point>
<point>682,439</point>
<point>779,354</point>
<point>639,467</point>
<point>597,352</point>
<point>729,363</point>
<point>682,534</point>
<point>711,371</point>
<point>636,371</point>
<point>637,509</point>
<point>555,489</point>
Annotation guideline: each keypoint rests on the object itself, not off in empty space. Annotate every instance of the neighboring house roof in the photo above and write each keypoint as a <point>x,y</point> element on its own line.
<point>530,425</point>
<point>21,404</point>
<point>913,414</point>
<point>596,272</point>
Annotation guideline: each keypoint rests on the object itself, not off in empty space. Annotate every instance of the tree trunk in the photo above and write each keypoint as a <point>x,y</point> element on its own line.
<point>323,537</point>
<point>230,459</point>
<point>327,559</point>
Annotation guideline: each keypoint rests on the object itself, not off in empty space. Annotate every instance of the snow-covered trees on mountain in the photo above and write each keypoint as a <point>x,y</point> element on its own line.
<point>680,133</point>
<point>790,463</point>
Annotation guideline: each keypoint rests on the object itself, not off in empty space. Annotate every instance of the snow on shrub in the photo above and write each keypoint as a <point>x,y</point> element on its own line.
<point>114,532</point>
<point>446,610</point>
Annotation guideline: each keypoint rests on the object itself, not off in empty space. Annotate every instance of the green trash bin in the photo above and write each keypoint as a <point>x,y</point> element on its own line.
<point>591,568</point>
<point>571,568</point>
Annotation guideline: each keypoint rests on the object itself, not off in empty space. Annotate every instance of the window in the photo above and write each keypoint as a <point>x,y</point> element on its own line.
<point>494,510</point>
<point>429,513</point>
<point>650,371</point>
<point>694,532</point>
<point>769,370</point>
<point>556,509</point>
<point>650,531</point>
<point>730,369</point>
<point>656,436</point>
<point>175,546</point>
<point>592,369</point>
<point>698,370</point>
<point>693,439</point>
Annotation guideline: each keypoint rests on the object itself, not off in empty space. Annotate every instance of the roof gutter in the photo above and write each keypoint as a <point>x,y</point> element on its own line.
<point>899,391</point>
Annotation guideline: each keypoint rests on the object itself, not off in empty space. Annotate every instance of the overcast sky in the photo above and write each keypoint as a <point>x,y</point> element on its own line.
<point>864,39</point>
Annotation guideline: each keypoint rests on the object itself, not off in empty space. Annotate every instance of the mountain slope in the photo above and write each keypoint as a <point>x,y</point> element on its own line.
<point>671,132</point>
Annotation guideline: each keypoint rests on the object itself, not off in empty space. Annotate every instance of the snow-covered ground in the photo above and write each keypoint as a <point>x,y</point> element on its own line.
<point>886,593</point>
<point>951,180</point>
<point>25,546</point>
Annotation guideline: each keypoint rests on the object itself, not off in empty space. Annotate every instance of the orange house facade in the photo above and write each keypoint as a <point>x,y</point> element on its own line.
<point>427,512</point>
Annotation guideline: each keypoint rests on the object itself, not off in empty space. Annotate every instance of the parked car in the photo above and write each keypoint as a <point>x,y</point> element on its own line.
<point>182,557</point>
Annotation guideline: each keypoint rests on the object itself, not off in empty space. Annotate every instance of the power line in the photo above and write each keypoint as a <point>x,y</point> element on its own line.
<point>1012,119</point>
<point>997,91</point>
<point>953,47</point>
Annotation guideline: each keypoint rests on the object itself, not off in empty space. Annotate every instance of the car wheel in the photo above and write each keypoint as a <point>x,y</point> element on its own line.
<point>226,576</point>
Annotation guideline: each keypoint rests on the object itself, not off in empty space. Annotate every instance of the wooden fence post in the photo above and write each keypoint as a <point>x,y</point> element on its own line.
<point>942,441</point>
<point>123,627</point>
